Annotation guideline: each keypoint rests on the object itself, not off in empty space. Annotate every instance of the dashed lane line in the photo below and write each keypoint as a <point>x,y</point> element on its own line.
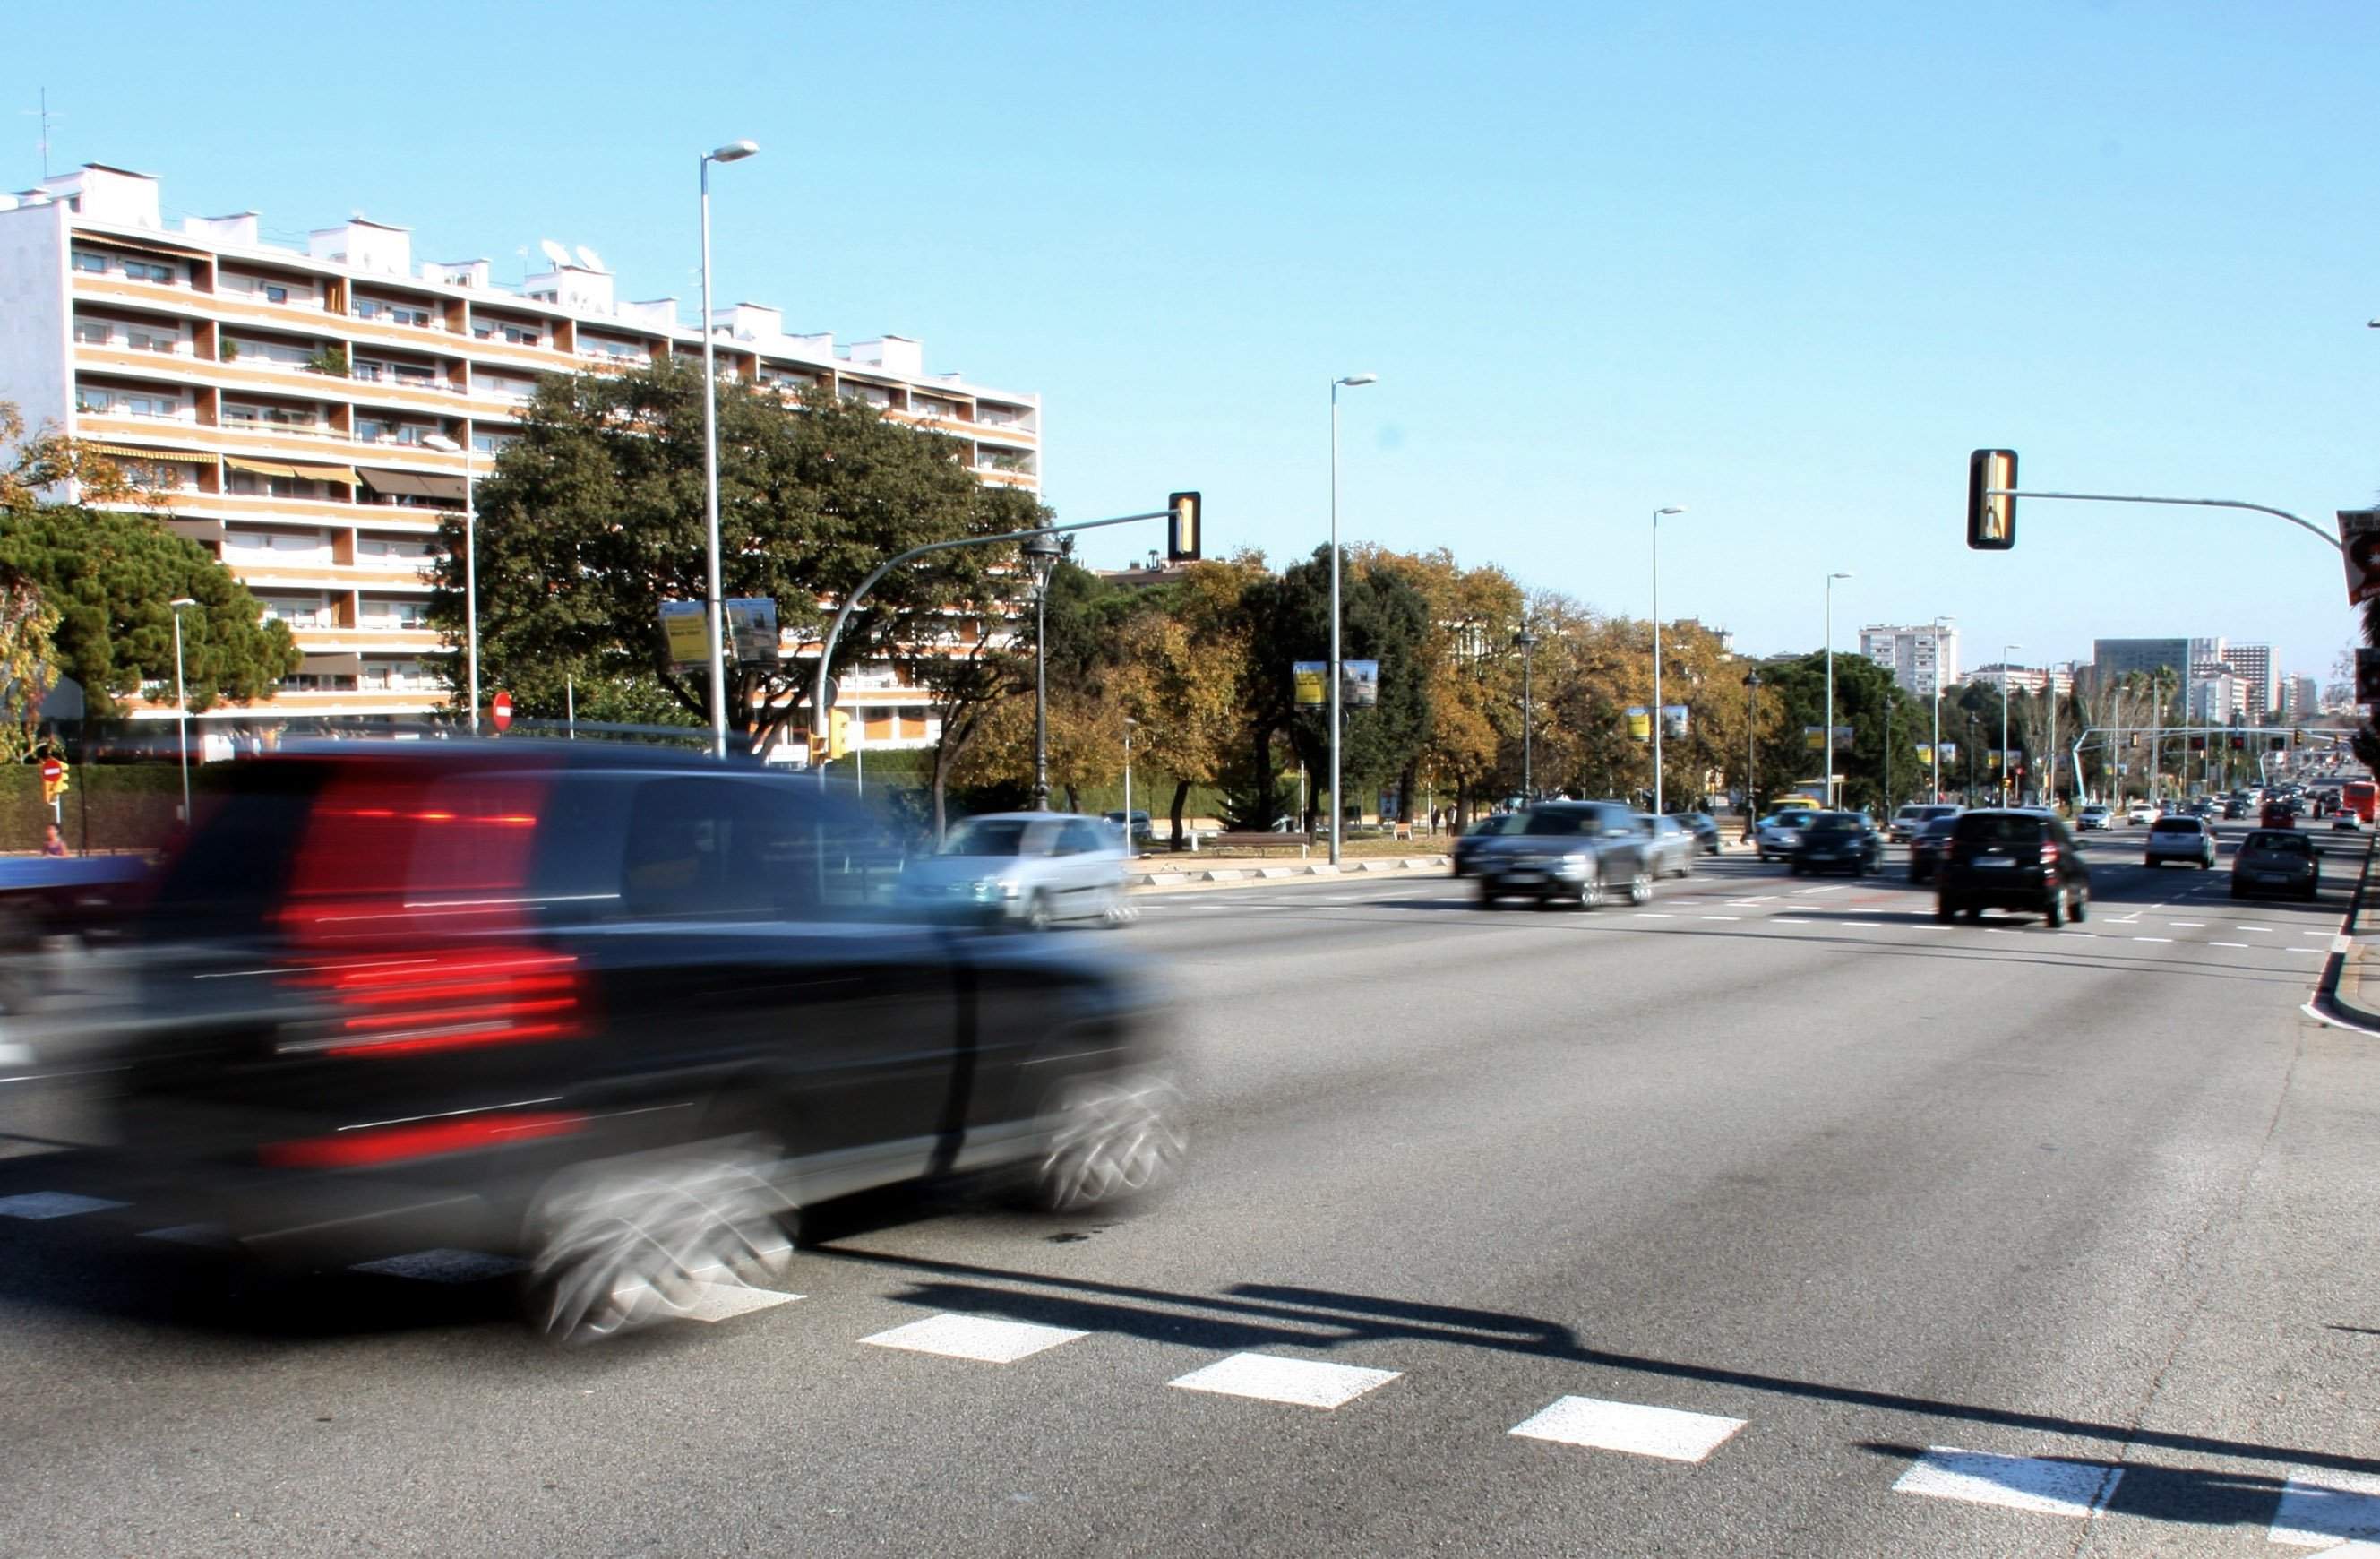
<point>2241,945</point>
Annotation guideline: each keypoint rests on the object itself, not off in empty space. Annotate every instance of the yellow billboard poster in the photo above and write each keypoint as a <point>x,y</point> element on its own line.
<point>686,632</point>
<point>1640,723</point>
<point>1313,681</point>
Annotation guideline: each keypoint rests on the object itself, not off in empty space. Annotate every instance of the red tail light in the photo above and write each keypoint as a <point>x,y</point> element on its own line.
<point>390,1144</point>
<point>2048,853</point>
<point>405,1003</point>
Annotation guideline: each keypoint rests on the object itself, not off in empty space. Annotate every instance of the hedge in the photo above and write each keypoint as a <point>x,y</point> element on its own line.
<point>106,806</point>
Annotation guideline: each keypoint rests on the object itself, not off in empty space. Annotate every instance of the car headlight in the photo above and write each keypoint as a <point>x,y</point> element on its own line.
<point>994,887</point>
<point>1572,865</point>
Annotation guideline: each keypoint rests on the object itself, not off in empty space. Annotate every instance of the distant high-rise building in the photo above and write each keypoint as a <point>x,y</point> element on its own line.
<point>1923,660</point>
<point>2252,664</point>
<point>2301,697</point>
<point>2114,659</point>
<point>2218,695</point>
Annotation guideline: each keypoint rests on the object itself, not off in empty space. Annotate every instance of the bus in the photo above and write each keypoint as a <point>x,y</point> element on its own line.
<point>2359,797</point>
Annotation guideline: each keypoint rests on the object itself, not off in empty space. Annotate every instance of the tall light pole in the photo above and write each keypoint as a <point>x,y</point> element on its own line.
<point>1939,624</point>
<point>182,704</point>
<point>1827,736</point>
<point>1527,643</point>
<point>1041,555</point>
<point>734,151</point>
<point>1338,806</point>
<point>1660,717</point>
<point>1131,840</point>
<point>1751,742</point>
<point>470,571</point>
<point>2005,651</point>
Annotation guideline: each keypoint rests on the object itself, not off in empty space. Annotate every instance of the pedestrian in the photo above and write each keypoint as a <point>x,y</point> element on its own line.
<point>53,842</point>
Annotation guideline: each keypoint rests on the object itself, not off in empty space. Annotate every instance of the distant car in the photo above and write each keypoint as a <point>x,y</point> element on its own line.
<point>1839,842</point>
<point>1704,827</point>
<point>2094,819</point>
<point>2346,823</point>
<point>2006,859</point>
<point>1481,837</point>
<point>1670,847</point>
<point>1778,834</point>
<point>2276,860</point>
<point>2278,814</point>
<point>1140,830</point>
<point>2176,837</point>
<point>1027,870</point>
<point>1917,814</point>
<point>1926,849</point>
<point>1576,850</point>
<point>2139,811</point>
<point>2234,810</point>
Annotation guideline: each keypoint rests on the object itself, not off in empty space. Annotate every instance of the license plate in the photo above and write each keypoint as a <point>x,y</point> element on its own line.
<point>1524,876</point>
<point>1994,861</point>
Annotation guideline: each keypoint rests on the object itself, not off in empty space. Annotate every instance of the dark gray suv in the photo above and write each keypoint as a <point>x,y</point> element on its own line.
<point>1581,851</point>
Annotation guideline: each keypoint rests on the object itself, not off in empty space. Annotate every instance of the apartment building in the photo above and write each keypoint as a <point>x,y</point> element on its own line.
<point>1923,660</point>
<point>2252,665</point>
<point>2059,679</point>
<point>312,415</point>
<point>2300,699</point>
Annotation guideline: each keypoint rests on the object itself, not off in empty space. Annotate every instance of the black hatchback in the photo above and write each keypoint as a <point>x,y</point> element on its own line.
<point>1839,842</point>
<point>2005,859</point>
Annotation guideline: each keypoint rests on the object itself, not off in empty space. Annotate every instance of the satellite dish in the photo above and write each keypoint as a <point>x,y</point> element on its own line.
<point>553,252</point>
<point>589,258</point>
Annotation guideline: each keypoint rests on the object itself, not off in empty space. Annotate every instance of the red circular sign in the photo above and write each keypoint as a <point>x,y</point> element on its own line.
<point>52,770</point>
<point>499,710</point>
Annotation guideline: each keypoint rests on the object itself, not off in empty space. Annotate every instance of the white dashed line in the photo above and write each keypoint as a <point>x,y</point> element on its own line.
<point>1664,1433</point>
<point>2238,944</point>
<point>1653,915</point>
<point>211,1235</point>
<point>2052,1488</point>
<point>1720,917</point>
<point>39,1205</point>
<point>2151,938</point>
<point>1862,926</point>
<point>2088,936</point>
<point>1304,1382</point>
<point>2265,929</point>
<point>2190,925</point>
<point>978,1338</point>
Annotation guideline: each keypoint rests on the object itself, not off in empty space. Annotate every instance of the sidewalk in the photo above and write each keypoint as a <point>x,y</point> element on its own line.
<point>2354,960</point>
<point>1178,875</point>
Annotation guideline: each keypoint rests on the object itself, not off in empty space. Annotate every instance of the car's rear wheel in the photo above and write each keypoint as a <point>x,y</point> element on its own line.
<point>1945,911</point>
<point>1486,896</point>
<point>2053,909</point>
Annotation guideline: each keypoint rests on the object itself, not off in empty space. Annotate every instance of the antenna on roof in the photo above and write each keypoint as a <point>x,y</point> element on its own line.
<point>589,258</point>
<point>45,117</point>
<point>553,252</point>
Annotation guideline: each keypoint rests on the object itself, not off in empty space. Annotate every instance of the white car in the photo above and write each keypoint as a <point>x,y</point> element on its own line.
<point>2094,817</point>
<point>2139,811</point>
<point>2178,837</point>
<point>1778,834</point>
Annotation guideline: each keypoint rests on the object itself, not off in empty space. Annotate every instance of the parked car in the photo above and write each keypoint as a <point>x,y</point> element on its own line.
<point>1141,832</point>
<point>2276,860</point>
<point>1926,849</point>
<point>1840,842</point>
<point>616,1011</point>
<point>2177,837</point>
<point>2094,819</point>
<point>1704,827</point>
<point>1578,850</point>
<point>1670,848</point>
<point>1025,870</point>
<point>1481,837</point>
<point>1778,834</point>
<point>2002,858</point>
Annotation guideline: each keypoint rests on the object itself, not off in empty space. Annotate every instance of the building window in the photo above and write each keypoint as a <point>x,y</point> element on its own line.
<point>94,332</point>
<point>149,271</point>
<point>152,340</point>
<point>275,293</point>
<point>492,444</point>
<point>88,263</point>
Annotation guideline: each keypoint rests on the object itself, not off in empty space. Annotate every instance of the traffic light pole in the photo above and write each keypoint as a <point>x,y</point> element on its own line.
<point>2304,524</point>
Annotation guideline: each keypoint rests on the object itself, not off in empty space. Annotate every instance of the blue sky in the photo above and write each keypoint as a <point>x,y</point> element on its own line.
<point>1783,266</point>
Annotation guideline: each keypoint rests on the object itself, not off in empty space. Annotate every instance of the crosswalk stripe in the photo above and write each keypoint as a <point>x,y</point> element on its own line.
<point>983,1338</point>
<point>1304,1382</point>
<point>2036,1483</point>
<point>1664,1433</point>
<point>39,1206</point>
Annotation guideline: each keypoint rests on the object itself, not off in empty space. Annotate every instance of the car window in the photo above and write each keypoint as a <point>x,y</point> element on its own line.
<point>2175,825</point>
<point>1080,838</point>
<point>700,846</point>
<point>2285,844</point>
<point>1546,822</point>
<point>1998,828</point>
<point>986,836</point>
<point>1835,822</point>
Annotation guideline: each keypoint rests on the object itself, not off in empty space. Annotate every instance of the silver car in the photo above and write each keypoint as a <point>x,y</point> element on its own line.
<point>1669,846</point>
<point>1025,870</point>
<point>1778,834</point>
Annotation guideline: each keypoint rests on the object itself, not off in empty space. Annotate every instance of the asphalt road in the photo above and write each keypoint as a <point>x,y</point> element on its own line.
<point>1770,1218</point>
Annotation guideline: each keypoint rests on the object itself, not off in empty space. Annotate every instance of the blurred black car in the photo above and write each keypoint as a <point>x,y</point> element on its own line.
<point>1577,850</point>
<point>617,1011</point>
<point>1481,837</point>
<point>1842,841</point>
<point>2006,859</point>
<point>1927,846</point>
<point>1704,827</point>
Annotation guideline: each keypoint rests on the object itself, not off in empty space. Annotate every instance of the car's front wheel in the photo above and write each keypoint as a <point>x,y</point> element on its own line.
<point>1038,913</point>
<point>1114,1137</point>
<point>1640,887</point>
<point>2078,902</point>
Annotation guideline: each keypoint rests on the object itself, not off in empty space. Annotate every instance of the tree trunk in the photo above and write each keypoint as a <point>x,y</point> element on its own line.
<point>1407,783</point>
<point>1075,799</point>
<point>1181,799</point>
<point>1267,798</point>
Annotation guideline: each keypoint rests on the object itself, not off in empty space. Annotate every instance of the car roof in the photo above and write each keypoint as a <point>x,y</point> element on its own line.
<point>1026,817</point>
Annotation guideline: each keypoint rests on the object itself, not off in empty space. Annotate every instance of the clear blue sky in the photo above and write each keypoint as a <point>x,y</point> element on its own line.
<point>1783,266</point>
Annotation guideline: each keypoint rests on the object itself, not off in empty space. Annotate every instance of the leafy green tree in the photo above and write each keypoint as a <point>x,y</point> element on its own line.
<point>110,577</point>
<point>1864,691</point>
<point>594,516</point>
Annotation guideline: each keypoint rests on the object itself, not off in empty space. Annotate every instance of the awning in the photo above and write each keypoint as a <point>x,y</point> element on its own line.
<point>339,474</point>
<point>196,529</point>
<point>415,484</point>
<point>332,664</point>
<point>125,452</point>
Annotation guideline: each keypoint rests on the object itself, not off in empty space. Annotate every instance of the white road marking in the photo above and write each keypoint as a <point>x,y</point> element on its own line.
<point>39,1205</point>
<point>2088,936</point>
<point>211,1236</point>
<point>2265,929</point>
<point>2053,1488</point>
<point>14,1055</point>
<point>2238,944</point>
<point>716,1302</point>
<point>1805,892</point>
<point>978,1338</point>
<point>1304,1382</point>
<point>441,1266</point>
<point>1934,927</point>
<point>2151,938</point>
<point>2320,1508</point>
<point>2318,951</point>
<point>2191,925</point>
<point>1722,917</point>
<point>2342,944</point>
<point>1862,925</point>
<point>1788,920</point>
<point>1653,915</point>
<point>1666,1432</point>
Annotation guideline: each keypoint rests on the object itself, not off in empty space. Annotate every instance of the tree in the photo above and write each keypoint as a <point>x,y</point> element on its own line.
<point>1183,671</point>
<point>594,516</point>
<point>110,577</point>
<point>1864,691</point>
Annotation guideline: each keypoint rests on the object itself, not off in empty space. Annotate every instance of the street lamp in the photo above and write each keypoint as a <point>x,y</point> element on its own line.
<point>1939,624</point>
<point>1130,841</point>
<point>441,443</point>
<point>1041,556</point>
<point>1659,718</point>
<point>182,704</point>
<point>1826,738</point>
<point>1526,642</point>
<point>1338,807</point>
<point>2005,651</point>
<point>734,151</point>
<point>1750,742</point>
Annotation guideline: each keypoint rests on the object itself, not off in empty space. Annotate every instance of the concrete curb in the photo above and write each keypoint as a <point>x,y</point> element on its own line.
<point>1304,874</point>
<point>2338,994</point>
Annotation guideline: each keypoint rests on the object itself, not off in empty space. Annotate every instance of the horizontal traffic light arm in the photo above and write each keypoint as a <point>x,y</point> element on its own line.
<point>2326,538</point>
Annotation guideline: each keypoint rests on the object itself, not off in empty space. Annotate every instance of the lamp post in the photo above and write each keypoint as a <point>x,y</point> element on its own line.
<point>1041,555</point>
<point>734,151</point>
<point>1338,807</point>
<point>1660,717</point>
<point>2005,651</point>
<point>1131,840</point>
<point>182,704</point>
<point>441,443</point>
<point>1939,624</point>
<point>1527,643</point>
<point>1751,742</point>
<point>1826,738</point>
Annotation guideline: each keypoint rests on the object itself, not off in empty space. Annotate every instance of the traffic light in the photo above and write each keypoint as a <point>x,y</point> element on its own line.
<point>1991,522</point>
<point>838,734</point>
<point>2198,744</point>
<point>1181,530</point>
<point>2239,742</point>
<point>2276,744</point>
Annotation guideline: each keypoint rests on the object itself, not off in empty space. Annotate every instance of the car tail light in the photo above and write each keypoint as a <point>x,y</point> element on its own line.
<point>431,999</point>
<point>402,1140</point>
<point>2048,853</point>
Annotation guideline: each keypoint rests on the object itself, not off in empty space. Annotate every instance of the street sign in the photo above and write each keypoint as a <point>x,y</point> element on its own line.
<point>2367,677</point>
<point>2359,540</point>
<point>499,710</point>
<point>1359,684</point>
<point>1674,722</point>
<point>1814,738</point>
<point>752,630</point>
<point>687,633</point>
